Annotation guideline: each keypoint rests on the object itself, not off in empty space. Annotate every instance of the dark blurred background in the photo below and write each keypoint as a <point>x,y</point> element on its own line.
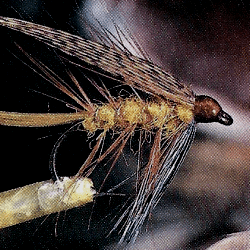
<point>203,43</point>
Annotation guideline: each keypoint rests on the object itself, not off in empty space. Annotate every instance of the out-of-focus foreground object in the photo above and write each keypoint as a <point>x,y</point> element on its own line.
<point>43,198</point>
<point>237,241</point>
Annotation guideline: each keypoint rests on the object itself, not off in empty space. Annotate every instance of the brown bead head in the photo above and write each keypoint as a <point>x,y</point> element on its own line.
<point>207,109</point>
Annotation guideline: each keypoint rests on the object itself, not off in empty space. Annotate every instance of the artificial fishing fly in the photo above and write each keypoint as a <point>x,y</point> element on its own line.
<point>169,112</point>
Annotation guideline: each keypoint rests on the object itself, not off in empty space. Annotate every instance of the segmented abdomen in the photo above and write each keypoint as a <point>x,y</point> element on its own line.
<point>134,111</point>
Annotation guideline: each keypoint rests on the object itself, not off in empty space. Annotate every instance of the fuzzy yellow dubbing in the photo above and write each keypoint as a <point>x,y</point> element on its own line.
<point>159,113</point>
<point>106,116</point>
<point>184,112</point>
<point>131,111</point>
<point>89,122</point>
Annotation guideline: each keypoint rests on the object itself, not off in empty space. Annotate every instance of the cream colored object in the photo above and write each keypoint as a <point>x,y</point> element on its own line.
<point>236,241</point>
<point>43,198</point>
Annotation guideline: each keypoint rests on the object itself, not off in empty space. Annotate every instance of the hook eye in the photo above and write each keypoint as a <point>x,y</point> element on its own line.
<point>224,118</point>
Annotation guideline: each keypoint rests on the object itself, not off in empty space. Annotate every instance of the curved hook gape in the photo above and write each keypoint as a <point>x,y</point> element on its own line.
<point>207,109</point>
<point>52,164</point>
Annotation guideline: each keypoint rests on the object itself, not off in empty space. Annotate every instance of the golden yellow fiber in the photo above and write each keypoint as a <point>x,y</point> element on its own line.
<point>159,113</point>
<point>131,111</point>
<point>184,113</point>
<point>106,116</point>
<point>89,123</point>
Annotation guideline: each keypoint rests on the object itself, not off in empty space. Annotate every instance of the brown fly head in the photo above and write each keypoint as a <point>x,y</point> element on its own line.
<point>208,110</point>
